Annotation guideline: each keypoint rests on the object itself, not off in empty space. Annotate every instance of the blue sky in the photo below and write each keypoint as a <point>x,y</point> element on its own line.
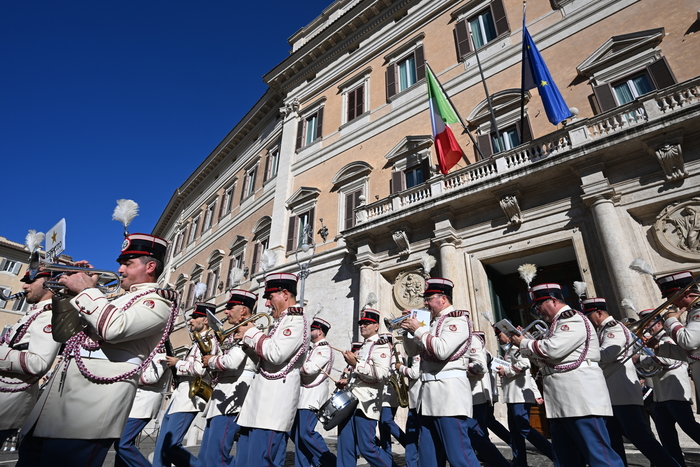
<point>103,100</point>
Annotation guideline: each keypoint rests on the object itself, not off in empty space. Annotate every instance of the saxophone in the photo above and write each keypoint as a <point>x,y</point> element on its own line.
<point>199,387</point>
<point>398,382</point>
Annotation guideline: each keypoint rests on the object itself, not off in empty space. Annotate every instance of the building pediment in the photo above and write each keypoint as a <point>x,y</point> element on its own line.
<point>408,146</point>
<point>303,195</point>
<point>618,47</point>
<point>350,172</point>
<point>237,242</point>
<point>502,101</point>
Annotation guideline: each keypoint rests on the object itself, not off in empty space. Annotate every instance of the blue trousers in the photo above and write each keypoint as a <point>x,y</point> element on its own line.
<point>310,449</point>
<point>628,420</point>
<point>359,431</point>
<point>61,452</point>
<point>445,439</point>
<point>412,431</point>
<point>217,442</point>
<point>495,426</point>
<point>480,440</point>
<point>169,448</point>
<point>666,415</point>
<point>389,428</point>
<point>261,448</point>
<point>127,454</point>
<point>520,430</point>
<point>577,440</point>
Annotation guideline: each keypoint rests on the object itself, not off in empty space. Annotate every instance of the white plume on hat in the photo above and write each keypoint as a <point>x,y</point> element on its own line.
<point>371,300</point>
<point>428,262</point>
<point>317,310</point>
<point>488,317</point>
<point>33,240</point>
<point>268,260</point>
<point>527,272</point>
<point>628,305</point>
<point>236,276</point>
<point>642,267</point>
<point>125,212</point>
<point>199,290</point>
<point>580,288</point>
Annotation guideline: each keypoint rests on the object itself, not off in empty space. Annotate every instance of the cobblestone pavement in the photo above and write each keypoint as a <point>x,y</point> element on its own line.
<point>634,458</point>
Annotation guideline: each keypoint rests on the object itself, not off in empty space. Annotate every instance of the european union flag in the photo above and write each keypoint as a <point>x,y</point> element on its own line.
<point>536,75</point>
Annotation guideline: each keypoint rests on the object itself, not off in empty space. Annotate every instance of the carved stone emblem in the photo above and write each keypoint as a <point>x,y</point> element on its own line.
<point>677,229</point>
<point>408,290</point>
<point>511,208</point>
<point>670,157</point>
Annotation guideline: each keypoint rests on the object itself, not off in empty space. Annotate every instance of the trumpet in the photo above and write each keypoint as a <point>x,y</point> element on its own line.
<point>222,335</point>
<point>108,281</point>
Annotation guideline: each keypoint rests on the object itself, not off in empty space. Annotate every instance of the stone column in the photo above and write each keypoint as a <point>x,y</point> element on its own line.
<point>601,198</point>
<point>451,265</point>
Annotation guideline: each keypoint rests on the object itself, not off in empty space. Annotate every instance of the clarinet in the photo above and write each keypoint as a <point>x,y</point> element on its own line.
<point>171,353</point>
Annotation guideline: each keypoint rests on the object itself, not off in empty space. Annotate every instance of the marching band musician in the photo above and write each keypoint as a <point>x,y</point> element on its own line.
<point>446,401</point>
<point>412,371</point>
<point>672,393</point>
<point>520,392</point>
<point>370,372</point>
<point>25,356</point>
<point>480,382</point>
<point>237,367</point>
<point>390,404</point>
<point>686,336</point>
<point>310,448</point>
<point>183,408</point>
<point>90,394</point>
<point>574,386</point>
<point>623,386</point>
<point>271,406</point>
<point>153,383</point>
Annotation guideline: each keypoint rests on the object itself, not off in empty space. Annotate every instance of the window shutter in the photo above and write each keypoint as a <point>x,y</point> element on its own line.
<point>425,168</point>
<point>499,17</point>
<point>420,64</point>
<point>266,175</point>
<point>244,187</point>
<point>311,221</point>
<point>398,182</point>
<point>300,134</point>
<point>390,81</point>
<point>604,96</point>
<point>256,257</point>
<point>292,233</point>
<point>526,134</point>
<point>2,264</point>
<point>352,200</point>
<point>661,73</point>
<point>461,33</point>
<point>319,126</point>
<point>485,145</point>
<point>360,101</point>
<point>351,105</point>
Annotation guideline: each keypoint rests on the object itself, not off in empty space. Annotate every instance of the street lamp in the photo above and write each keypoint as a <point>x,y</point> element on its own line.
<point>307,243</point>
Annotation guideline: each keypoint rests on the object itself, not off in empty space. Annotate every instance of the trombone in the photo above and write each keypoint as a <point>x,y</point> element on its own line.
<point>221,335</point>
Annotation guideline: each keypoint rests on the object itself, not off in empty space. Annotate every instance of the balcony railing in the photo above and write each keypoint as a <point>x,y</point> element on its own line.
<point>647,108</point>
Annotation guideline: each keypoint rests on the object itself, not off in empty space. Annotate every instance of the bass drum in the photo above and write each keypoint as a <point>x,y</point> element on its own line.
<point>340,406</point>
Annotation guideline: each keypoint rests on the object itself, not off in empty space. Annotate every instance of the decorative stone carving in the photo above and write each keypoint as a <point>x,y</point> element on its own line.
<point>677,229</point>
<point>670,157</point>
<point>289,108</point>
<point>408,290</point>
<point>401,240</point>
<point>511,208</point>
<point>361,214</point>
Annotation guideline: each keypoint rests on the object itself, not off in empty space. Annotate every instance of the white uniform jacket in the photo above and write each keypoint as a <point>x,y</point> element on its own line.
<point>24,359</point>
<point>314,382</point>
<point>237,369</point>
<point>479,379</point>
<point>688,339</point>
<point>623,383</point>
<point>444,351</point>
<point>75,406</point>
<point>519,386</point>
<point>370,374</point>
<point>412,371</point>
<point>672,382</point>
<point>188,369</point>
<point>574,385</point>
<point>274,394</point>
<point>153,384</point>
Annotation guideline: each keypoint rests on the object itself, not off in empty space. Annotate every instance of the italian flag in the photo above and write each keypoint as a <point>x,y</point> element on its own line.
<point>442,114</point>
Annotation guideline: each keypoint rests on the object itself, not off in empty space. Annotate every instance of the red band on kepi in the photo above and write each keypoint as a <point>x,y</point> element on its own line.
<point>277,281</point>
<point>242,297</point>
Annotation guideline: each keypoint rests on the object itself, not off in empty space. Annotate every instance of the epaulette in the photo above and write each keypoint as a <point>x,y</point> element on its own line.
<point>322,343</point>
<point>458,314</point>
<point>295,311</point>
<point>481,338</point>
<point>611,324</point>
<point>567,314</point>
<point>382,341</point>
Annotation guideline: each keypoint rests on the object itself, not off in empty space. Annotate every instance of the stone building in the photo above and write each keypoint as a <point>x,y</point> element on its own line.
<point>14,260</point>
<point>340,146</point>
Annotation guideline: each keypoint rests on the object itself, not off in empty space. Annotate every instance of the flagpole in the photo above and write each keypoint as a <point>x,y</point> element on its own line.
<point>488,96</point>
<point>461,120</point>
<point>522,78</point>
